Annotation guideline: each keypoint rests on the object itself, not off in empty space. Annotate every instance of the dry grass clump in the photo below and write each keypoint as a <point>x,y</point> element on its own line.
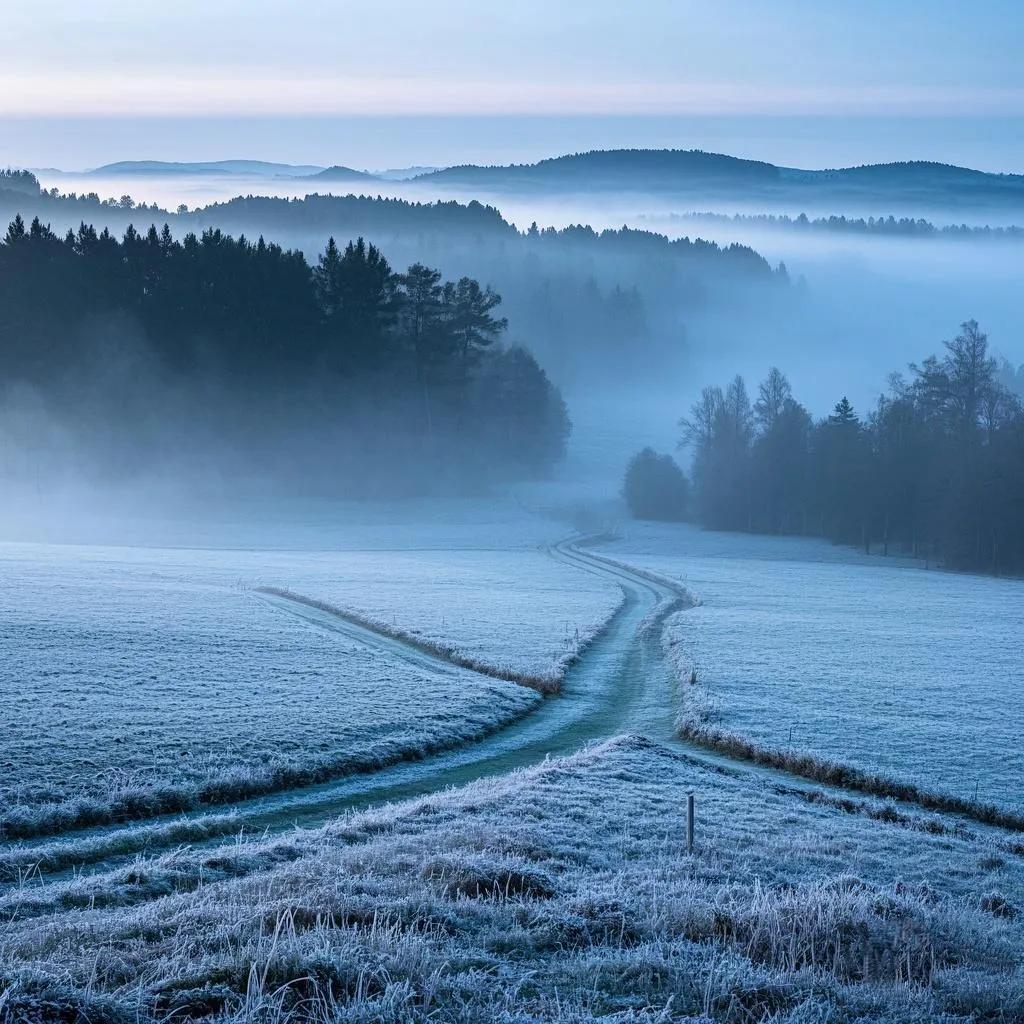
<point>488,877</point>
<point>852,931</point>
<point>998,905</point>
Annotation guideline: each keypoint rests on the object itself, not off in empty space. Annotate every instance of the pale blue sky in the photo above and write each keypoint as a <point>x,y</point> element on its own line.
<point>250,65</point>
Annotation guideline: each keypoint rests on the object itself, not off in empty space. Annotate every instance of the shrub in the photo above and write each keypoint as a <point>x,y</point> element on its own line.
<point>655,487</point>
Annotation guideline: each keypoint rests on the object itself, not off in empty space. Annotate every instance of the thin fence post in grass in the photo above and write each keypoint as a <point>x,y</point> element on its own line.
<point>689,822</point>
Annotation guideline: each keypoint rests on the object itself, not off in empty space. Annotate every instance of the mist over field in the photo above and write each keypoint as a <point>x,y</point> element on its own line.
<point>858,305</point>
<point>511,513</point>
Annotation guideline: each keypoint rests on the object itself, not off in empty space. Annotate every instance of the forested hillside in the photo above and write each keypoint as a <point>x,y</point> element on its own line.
<point>221,350</point>
<point>694,172</point>
<point>936,469</point>
<point>582,301</point>
<point>878,227</point>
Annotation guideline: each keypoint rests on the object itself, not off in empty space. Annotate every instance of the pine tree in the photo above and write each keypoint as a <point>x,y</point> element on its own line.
<point>15,231</point>
<point>843,415</point>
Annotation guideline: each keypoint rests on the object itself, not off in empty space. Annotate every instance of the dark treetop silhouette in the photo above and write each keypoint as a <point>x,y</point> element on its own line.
<point>140,342</point>
<point>937,468</point>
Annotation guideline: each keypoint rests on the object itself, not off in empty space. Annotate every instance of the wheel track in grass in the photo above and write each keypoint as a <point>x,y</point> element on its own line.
<point>612,686</point>
<point>620,683</point>
<point>402,644</point>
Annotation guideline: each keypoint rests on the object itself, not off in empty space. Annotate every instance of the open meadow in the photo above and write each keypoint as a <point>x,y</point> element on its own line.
<point>463,472</point>
<point>141,681</point>
<point>803,646</point>
<point>169,681</point>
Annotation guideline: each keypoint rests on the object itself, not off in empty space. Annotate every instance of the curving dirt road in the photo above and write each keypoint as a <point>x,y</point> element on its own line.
<point>618,684</point>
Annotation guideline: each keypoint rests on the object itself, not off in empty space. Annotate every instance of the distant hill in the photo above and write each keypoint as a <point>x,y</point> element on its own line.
<point>694,172</point>
<point>339,173</point>
<point>347,216</point>
<point>404,173</point>
<point>908,172</point>
<point>618,168</point>
<point>19,182</point>
<point>410,230</point>
<point>254,168</point>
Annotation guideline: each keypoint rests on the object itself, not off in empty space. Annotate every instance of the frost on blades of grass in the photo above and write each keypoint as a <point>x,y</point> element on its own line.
<point>546,682</point>
<point>516,609</point>
<point>515,613</point>
<point>802,648</point>
<point>124,695</point>
<point>558,893</point>
<point>161,686</point>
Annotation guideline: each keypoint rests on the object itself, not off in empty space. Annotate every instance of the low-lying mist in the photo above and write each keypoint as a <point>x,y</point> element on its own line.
<point>629,344</point>
<point>860,296</point>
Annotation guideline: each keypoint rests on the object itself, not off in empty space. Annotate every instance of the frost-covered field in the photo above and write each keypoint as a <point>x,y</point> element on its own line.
<point>126,692</point>
<point>798,644</point>
<point>472,574</point>
<point>137,680</point>
<point>562,893</point>
<point>520,611</point>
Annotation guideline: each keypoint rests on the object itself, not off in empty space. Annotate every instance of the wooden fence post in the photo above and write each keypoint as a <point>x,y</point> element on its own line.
<point>689,822</point>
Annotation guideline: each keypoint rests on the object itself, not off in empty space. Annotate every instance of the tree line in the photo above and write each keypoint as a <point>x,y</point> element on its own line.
<point>473,222</point>
<point>23,182</point>
<point>935,470</point>
<point>591,304</point>
<point>908,227</point>
<point>385,361</point>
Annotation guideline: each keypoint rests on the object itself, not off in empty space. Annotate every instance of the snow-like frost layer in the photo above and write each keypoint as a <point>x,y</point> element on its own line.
<point>484,586</point>
<point>137,679</point>
<point>560,893</point>
<point>518,611</point>
<point>802,645</point>
<point>126,691</point>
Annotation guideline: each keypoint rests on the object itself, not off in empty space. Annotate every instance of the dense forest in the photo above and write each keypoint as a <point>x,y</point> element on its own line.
<point>20,183</point>
<point>935,470</point>
<point>294,218</point>
<point>344,373</point>
<point>20,192</point>
<point>587,303</point>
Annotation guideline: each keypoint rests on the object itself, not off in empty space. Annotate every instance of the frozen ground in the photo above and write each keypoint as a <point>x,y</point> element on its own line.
<point>125,692</point>
<point>800,644</point>
<point>562,893</point>
<point>136,680</point>
<point>521,611</point>
<point>474,574</point>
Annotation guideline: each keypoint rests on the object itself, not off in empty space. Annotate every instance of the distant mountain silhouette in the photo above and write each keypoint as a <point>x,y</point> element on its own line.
<point>642,168</point>
<point>689,172</point>
<point>339,173</point>
<point>404,173</point>
<point>256,168</point>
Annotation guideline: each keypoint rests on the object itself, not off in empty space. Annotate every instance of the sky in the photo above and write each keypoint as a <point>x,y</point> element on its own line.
<point>401,81</point>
